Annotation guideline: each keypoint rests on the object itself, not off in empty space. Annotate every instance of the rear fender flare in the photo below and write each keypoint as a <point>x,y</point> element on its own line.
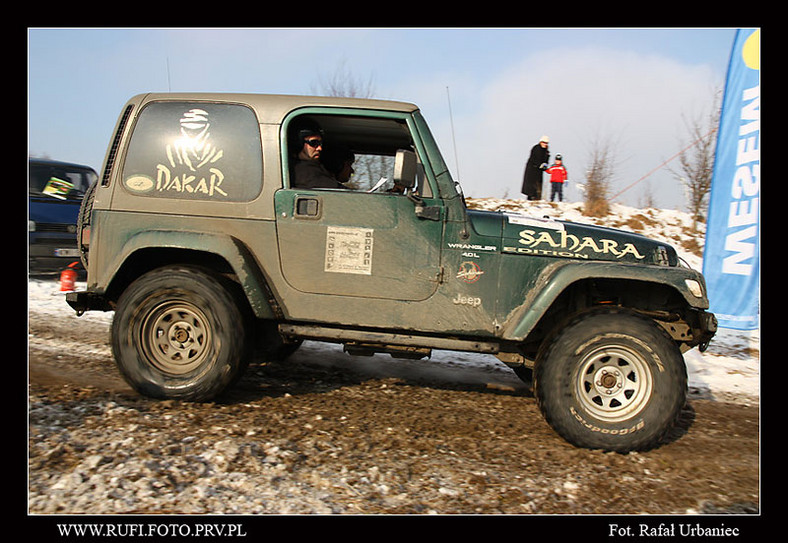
<point>247,273</point>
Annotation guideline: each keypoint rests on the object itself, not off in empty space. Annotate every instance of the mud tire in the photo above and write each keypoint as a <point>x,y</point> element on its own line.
<point>611,380</point>
<point>83,221</point>
<point>178,333</point>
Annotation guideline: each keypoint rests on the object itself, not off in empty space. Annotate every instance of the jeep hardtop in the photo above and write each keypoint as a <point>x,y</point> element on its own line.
<point>199,238</point>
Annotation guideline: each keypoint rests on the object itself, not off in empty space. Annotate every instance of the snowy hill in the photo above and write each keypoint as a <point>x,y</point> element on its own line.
<point>673,227</point>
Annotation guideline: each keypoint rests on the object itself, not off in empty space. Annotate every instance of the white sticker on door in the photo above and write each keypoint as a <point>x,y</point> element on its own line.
<point>349,250</point>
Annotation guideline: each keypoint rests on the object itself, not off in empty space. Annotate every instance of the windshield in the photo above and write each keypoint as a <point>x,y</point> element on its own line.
<point>60,181</point>
<point>439,168</point>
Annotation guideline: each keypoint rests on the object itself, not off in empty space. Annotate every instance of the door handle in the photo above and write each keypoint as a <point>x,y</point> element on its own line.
<point>307,207</point>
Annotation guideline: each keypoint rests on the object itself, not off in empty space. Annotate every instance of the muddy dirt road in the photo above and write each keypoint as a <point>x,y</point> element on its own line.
<point>373,437</point>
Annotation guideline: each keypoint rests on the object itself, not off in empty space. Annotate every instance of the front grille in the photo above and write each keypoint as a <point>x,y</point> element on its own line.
<point>59,228</point>
<point>60,242</point>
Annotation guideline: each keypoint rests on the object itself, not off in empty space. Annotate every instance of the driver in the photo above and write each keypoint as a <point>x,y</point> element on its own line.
<point>309,172</point>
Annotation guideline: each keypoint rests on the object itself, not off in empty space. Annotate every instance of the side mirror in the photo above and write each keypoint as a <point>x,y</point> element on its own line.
<point>405,168</point>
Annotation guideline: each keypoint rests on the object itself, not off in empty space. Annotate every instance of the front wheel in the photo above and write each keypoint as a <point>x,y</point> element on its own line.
<point>612,381</point>
<point>178,332</point>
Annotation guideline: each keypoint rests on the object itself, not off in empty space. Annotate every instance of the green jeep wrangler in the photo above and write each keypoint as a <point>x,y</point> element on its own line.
<point>222,231</point>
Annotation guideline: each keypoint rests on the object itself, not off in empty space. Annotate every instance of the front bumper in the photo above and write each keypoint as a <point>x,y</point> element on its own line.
<point>51,255</point>
<point>704,328</point>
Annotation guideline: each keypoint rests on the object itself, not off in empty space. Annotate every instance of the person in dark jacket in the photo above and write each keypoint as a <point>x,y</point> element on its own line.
<point>536,164</point>
<point>308,171</point>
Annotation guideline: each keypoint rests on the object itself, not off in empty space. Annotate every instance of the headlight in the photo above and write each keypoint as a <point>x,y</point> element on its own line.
<point>31,226</point>
<point>694,287</point>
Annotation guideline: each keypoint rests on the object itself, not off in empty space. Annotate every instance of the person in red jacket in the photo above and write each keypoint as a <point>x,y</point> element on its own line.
<point>558,176</point>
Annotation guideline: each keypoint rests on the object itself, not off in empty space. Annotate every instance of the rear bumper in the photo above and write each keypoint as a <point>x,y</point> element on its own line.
<point>82,301</point>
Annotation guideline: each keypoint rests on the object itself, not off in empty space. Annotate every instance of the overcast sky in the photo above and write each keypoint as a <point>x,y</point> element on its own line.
<point>506,88</point>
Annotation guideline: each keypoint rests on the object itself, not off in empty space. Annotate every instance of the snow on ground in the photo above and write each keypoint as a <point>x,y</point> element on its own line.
<point>729,369</point>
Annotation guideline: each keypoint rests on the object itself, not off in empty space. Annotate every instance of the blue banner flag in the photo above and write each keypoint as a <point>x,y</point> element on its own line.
<point>731,260</point>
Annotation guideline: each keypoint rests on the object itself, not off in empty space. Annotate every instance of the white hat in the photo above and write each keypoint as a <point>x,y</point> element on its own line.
<point>545,139</point>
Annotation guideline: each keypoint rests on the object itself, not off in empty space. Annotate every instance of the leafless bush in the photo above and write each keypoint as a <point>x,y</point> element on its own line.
<point>599,175</point>
<point>696,161</point>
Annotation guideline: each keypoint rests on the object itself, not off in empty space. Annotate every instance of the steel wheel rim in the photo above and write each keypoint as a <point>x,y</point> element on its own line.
<point>614,383</point>
<point>176,337</point>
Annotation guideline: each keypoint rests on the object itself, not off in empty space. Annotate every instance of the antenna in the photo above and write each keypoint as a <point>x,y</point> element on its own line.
<point>454,143</point>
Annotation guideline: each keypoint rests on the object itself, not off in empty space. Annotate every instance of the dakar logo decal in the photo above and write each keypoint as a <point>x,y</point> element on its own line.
<point>561,243</point>
<point>469,272</point>
<point>190,165</point>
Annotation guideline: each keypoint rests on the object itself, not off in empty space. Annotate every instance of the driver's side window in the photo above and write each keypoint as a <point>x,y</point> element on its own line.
<point>357,152</point>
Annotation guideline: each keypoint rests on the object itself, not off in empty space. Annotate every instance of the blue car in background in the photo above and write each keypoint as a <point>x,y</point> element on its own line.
<point>55,195</point>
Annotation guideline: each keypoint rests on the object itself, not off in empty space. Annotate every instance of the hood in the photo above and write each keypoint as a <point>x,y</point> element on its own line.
<point>521,234</point>
<point>49,210</point>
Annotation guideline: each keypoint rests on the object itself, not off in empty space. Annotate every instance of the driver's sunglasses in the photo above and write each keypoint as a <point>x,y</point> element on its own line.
<point>314,143</point>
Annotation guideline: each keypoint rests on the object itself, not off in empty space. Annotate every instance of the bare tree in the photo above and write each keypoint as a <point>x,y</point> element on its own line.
<point>342,82</point>
<point>599,175</point>
<point>696,161</point>
<point>647,198</point>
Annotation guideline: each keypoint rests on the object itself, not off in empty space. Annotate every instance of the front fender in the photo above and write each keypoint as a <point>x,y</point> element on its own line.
<point>555,278</point>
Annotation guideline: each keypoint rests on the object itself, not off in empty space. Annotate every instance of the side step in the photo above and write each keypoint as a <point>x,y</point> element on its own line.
<point>379,341</point>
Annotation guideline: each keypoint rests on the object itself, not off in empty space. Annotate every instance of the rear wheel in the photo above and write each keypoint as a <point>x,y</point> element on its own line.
<point>178,333</point>
<point>612,381</point>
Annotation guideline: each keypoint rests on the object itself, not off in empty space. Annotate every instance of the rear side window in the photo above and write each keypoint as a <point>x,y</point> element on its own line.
<point>195,151</point>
